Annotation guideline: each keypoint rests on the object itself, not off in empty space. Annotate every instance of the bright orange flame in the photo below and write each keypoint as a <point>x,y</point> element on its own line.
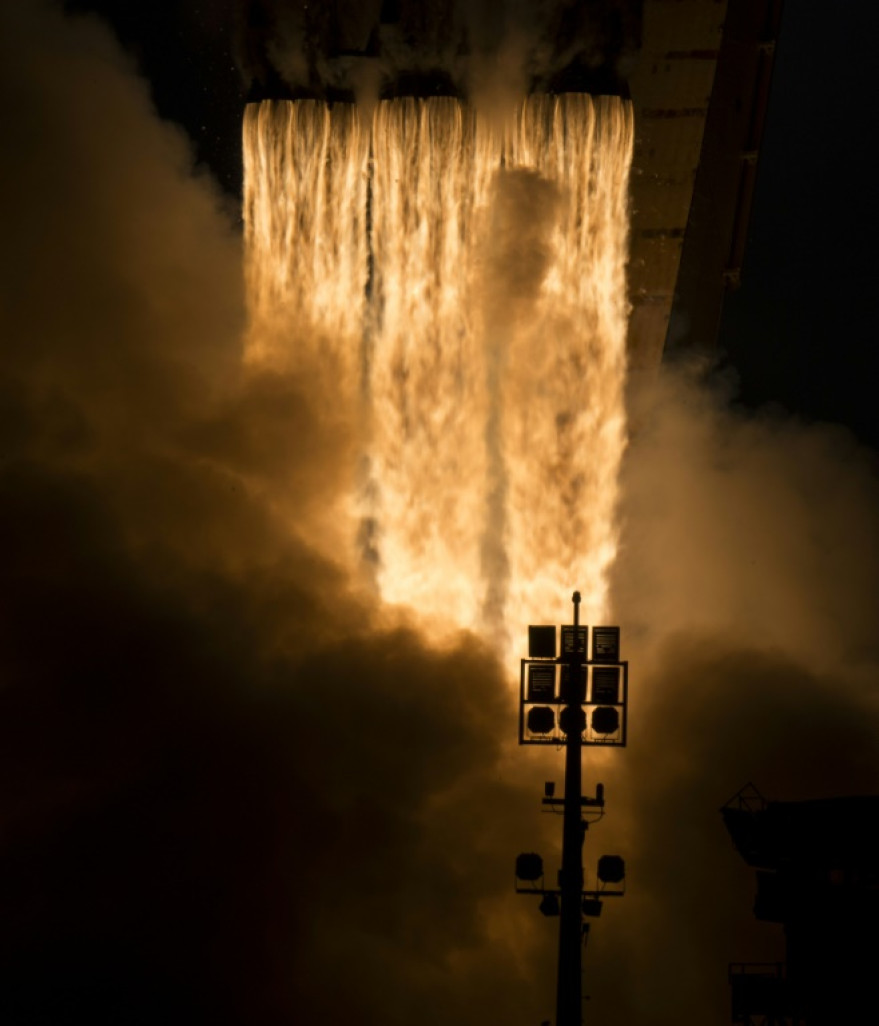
<point>564,393</point>
<point>376,266</point>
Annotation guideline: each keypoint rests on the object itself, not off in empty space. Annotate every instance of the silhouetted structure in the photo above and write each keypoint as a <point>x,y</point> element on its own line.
<point>817,868</point>
<point>572,700</point>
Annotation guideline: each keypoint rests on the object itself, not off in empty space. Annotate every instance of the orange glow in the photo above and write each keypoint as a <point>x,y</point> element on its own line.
<point>492,423</point>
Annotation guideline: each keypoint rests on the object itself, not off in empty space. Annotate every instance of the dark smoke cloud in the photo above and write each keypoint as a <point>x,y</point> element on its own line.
<point>230,794</point>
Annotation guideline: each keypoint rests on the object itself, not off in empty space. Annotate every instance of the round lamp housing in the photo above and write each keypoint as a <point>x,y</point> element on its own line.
<point>611,869</point>
<point>605,720</point>
<point>541,719</point>
<point>529,866</point>
<point>572,720</point>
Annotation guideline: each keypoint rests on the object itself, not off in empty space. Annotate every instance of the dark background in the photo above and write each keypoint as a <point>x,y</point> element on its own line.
<point>801,331</point>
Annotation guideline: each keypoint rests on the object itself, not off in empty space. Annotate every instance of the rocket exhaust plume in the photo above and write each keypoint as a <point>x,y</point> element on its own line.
<point>460,287</point>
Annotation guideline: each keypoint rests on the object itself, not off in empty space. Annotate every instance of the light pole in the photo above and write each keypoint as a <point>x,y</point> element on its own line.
<point>556,693</point>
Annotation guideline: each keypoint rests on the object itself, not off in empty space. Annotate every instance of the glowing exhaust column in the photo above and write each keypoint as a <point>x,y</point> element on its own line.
<point>486,482</point>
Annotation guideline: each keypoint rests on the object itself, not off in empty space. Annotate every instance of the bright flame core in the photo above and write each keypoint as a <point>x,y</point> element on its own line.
<point>464,289</point>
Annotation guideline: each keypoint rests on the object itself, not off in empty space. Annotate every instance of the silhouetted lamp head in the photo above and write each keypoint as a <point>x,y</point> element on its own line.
<point>529,866</point>
<point>541,682</point>
<point>572,718</point>
<point>605,720</point>
<point>592,907</point>
<point>606,685</point>
<point>611,869</point>
<point>541,641</point>
<point>549,906</point>
<point>606,644</point>
<point>541,719</point>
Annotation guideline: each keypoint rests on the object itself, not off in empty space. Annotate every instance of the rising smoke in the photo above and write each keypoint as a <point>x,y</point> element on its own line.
<point>232,791</point>
<point>747,584</point>
<point>210,811</point>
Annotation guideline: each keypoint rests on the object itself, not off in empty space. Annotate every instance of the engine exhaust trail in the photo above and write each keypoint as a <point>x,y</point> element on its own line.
<point>490,413</point>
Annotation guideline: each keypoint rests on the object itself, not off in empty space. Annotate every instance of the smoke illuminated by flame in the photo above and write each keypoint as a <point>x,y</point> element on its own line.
<point>461,288</point>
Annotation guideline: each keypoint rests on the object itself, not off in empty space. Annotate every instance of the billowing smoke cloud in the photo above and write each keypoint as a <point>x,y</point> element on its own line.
<point>747,587</point>
<point>232,791</point>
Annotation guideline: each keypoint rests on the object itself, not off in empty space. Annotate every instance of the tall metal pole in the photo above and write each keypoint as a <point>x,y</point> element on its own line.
<point>600,685</point>
<point>569,991</point>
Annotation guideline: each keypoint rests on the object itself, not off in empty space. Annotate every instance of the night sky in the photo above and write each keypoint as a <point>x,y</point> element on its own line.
<point>233,790</point>
<point>799,332</point>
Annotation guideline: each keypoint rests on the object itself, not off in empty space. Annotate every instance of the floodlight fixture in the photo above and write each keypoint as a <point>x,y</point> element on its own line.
<point>611,869</point>
<point>549,789</point>
<point>605,644</point>
<point>541,682</point>
<point>592,907</point>
<point>606,685</point>
<point>541,641</point>
<point>529,866</point>
<point>572,720</point>
<point>605,720</point>
<point>540,719</point>
<point>568,636</point>
<point>549,905</point>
